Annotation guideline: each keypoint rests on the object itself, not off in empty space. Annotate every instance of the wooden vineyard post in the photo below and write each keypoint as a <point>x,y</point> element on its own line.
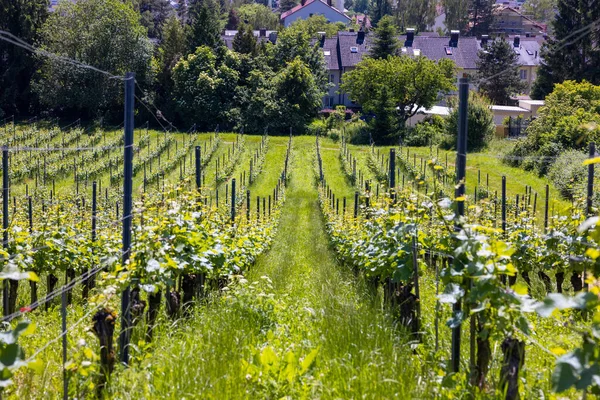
<point>127,217</point>
<point>504,205</point>
<point>356,204</point>
<point>461,165</point>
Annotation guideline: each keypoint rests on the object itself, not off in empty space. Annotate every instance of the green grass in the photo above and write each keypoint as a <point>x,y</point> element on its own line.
<point>300,303</point>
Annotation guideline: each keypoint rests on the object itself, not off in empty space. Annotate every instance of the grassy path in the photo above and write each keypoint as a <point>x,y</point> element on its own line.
<point>299,326</point>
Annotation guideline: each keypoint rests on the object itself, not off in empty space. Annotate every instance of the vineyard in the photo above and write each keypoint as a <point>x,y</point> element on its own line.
<point>270,266</point>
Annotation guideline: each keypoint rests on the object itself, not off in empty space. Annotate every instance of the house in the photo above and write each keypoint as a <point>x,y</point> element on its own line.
<point>308,8</point>
<point>509,20</point>
<point>351,47</point>
<point>262,35</point>
<point>528,52</point>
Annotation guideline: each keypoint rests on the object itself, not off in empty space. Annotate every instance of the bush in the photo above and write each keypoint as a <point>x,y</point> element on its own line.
<point>570,120</point>
<point>317,127</point>
<point>568,174</point>
<point>357,132</point>
<point>480,124</point>
<point>429,131</point>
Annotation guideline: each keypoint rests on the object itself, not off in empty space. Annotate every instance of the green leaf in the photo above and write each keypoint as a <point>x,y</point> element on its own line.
<point>308,360</point>
<point>452,294</point>
<point>565,373</point>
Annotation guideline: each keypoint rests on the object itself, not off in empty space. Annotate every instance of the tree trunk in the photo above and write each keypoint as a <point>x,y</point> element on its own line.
<point>12,297</point>
<point>576,281</point>
<point>153,309</point>
<point>188,286</point>
<point>484,354</point>
<point>69,276</point>
<point>512,280</point>
<point>137,306</point>
<point>560,278</point>
<point>514,358</point>
<point>547,281</point>
<point>51,282</point>
<point>173,303</point>
<point>104,328</point>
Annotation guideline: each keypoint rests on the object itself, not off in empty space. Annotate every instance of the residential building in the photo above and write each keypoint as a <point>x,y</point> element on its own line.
<point>308,8</point>
<point>509,20</point>
<point>262,35</point>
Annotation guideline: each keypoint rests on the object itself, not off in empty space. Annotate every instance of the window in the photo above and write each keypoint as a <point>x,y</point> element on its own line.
<point>523,73</point>
<point>529,52</point>
<point>332,78</point>
<point>417,52</point>
<point>326,52</point>
<point>353,49</point>
<point>448,51</point>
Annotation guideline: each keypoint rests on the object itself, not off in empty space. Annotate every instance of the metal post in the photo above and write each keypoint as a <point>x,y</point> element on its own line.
<point>356,204</point>
<point>5,199</point>
<point>127,203</point>
<point>248,205</point>
<point>504,205</point>
<point>63,313</point>
<point>590,185</point>
<point>392,174</point>
<point>461,158</point>
<point>546,208</point>
<point>233,200</point>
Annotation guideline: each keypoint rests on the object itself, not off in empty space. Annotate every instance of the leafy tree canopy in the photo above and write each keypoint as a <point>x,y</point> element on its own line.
<point>106,34</point>
<point>258,16</point>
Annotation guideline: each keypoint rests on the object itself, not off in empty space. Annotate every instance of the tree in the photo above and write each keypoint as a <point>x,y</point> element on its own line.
<point>498,72</point>
<point>540,10</point>
<point>105,34</point>
<point>182,11</point>
<point>457,14</point>
<point>244,41</point>
<point>411,83</point>
<point>361,6</point>
<point>171,49</point>
<point>205,85</point>
<point>384,125</point>
<point>24,19</point>
<point>259,16</point>
<point>232,20</point>
<point>154,13</point>
<point>386,41</point>
<point>205,24</point>
<point>570,56</point>
<point>480,120</point>
<point>292,44</point>
<point>300,95</point>
<point>481,16</point>
<point>419,14</point>
<point>378,9</point>
<point>286,5</point>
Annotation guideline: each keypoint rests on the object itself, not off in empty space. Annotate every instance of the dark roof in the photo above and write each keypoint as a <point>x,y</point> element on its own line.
<point>436,48</point>
<point>348,40</point>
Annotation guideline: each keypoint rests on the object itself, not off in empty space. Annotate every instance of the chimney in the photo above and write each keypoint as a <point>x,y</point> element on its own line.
<point>454,38</point>
<point>410,37</point>
<point>262,32</point>
<point>517,41</point>
<point>351,30</point>
<point>328,3</point>
<point>484,40</point>
<point>361,36</point>
<point>321,36</point>
<point>339,4</point>
<point>303,2</point>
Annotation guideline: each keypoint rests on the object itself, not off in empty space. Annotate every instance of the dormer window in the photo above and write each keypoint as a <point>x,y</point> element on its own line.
<point>448,51</point>
<point>353,49</point>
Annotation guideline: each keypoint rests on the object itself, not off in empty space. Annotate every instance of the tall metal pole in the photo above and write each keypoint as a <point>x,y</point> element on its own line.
<point>590,185</point>
<point>127,200</point>
<point>198,168</point>
<point>233,200</point>
<point>461,165</point>
<point>392,174</point>
<point>5,199</point>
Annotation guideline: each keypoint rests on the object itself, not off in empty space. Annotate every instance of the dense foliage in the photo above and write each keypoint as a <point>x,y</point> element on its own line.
<point>480,123</point>
<point>569,120</point>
